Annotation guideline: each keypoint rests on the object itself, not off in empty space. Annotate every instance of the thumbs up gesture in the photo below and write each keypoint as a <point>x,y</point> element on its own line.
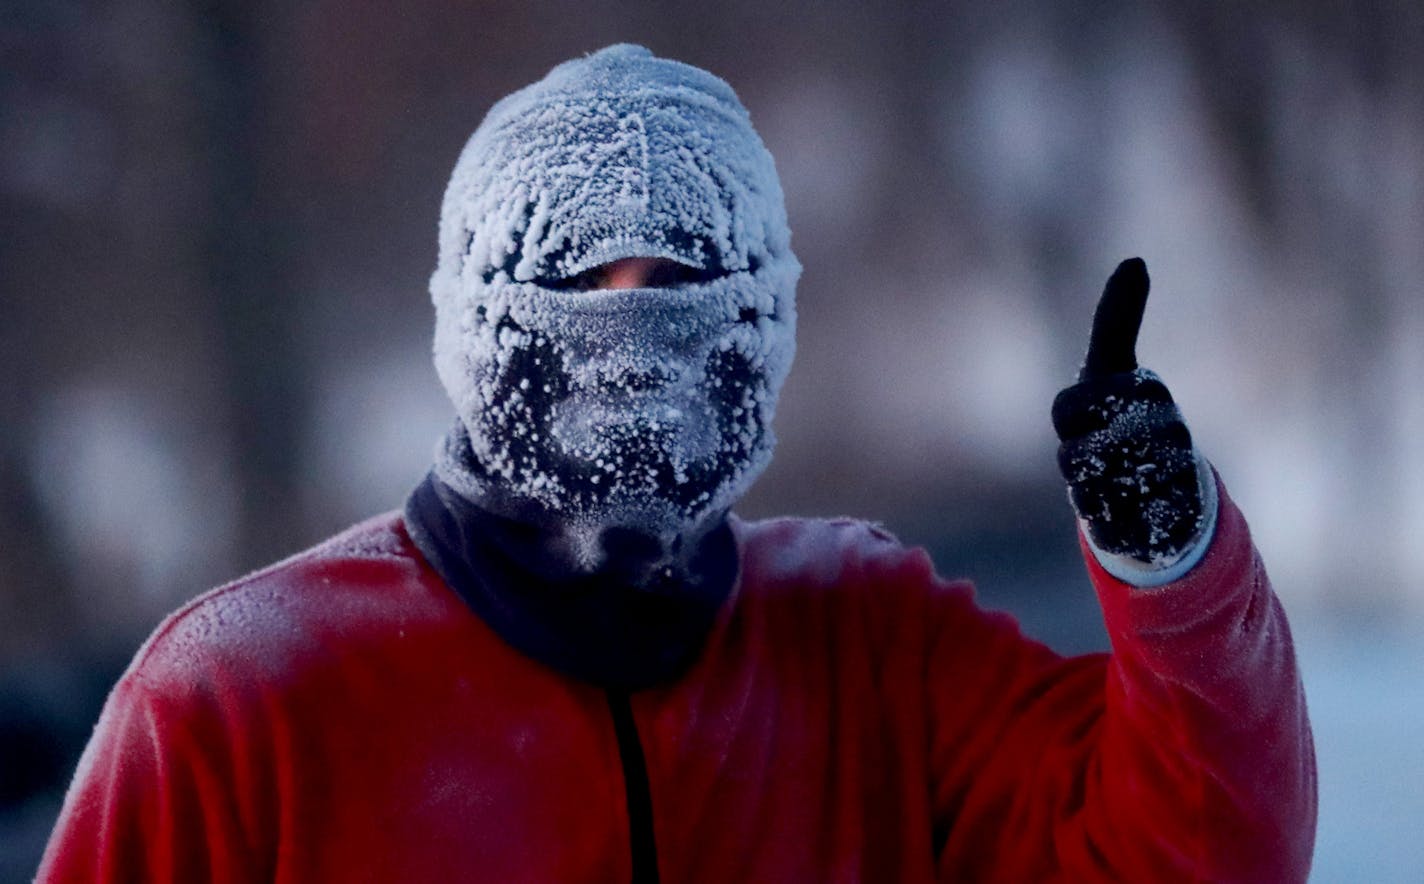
<point>1124,450</point>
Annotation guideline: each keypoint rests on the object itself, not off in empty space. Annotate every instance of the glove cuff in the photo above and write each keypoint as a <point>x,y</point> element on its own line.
<point>1135,572</point>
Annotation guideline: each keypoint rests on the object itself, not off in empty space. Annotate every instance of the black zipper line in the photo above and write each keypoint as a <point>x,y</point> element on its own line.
<point>644,849</point>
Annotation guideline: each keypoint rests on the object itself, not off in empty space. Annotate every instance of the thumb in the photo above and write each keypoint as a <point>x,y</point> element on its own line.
<point>1113,345</point>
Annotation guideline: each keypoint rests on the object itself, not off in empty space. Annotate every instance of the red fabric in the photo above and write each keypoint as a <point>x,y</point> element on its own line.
<point>342,717</point>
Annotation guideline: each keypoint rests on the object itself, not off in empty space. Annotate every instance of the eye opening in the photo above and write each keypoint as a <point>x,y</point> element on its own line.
<point>663,273</point>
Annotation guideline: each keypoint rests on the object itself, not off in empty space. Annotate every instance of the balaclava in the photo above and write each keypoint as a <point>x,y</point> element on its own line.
<point>589,411</point>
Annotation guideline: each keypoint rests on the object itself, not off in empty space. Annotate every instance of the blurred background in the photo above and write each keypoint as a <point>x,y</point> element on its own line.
<point>219,219</point>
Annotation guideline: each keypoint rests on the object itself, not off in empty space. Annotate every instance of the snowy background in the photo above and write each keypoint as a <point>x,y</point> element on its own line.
<point>219,220</point>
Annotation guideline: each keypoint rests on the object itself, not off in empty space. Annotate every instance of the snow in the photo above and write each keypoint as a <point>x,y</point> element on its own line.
<point>646,408</point>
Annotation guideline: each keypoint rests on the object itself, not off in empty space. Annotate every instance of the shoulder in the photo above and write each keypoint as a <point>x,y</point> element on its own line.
<point>855,561</point>
<point>861,563</point>
<point>878,599</point>
<point>357,587</point>
<point>821,549</point>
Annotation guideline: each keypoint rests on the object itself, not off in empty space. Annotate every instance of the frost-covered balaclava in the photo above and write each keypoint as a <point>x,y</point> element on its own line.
<point>645,409</point>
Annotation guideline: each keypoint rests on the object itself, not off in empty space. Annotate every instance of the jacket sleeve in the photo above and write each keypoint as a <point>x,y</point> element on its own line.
<point>1184,755</point>
<point>157,796</point>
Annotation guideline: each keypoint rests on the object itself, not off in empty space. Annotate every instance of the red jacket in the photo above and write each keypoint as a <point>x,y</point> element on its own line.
<point>342,716</point>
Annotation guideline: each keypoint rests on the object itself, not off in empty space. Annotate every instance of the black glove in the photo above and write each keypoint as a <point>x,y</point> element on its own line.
<point>1125,452</point>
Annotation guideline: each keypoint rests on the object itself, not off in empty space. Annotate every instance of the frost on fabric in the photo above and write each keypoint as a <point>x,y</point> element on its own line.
<point>610,156</point>
<point>1136,480</point>
<point>646,408</point>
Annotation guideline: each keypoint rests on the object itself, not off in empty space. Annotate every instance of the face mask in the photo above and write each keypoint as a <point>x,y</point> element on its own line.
<point>648,409</point>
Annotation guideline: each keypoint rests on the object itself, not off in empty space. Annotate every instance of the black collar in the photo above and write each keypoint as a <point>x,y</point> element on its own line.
<point>614,627</point>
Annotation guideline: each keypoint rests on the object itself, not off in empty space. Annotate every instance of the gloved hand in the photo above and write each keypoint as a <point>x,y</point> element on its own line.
<point>1125,452</point>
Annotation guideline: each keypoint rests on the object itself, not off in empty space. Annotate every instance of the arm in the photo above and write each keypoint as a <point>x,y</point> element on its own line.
<point>155,796</point>
<point>1211,655</point>
<point>1183,756</point>
<point>1186,754</point>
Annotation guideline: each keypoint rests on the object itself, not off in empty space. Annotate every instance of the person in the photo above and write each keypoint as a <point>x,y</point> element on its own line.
<point>567,660</point>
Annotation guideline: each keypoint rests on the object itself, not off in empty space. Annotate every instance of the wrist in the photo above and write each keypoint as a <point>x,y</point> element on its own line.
<point>1161,570</point>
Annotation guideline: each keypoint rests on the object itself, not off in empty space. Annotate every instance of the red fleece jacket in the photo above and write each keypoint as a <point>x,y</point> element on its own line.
<point>343,717</point>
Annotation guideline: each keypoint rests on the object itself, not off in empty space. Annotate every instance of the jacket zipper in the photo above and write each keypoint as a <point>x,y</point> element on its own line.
<point>643,848</point>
